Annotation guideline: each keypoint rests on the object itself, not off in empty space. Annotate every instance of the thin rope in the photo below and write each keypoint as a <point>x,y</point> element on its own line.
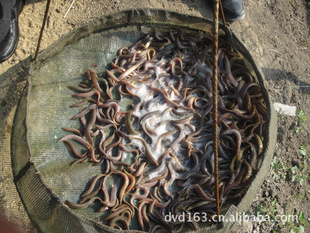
<point>69,8</point>
<point>215,101</point>
<point>42,29</point>
<point>286,89</point>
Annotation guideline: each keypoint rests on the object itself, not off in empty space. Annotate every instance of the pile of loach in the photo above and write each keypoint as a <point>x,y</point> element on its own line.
<point>148,123</point>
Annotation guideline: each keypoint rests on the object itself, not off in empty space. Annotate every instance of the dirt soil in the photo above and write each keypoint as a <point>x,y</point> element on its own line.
<point>276,32</point>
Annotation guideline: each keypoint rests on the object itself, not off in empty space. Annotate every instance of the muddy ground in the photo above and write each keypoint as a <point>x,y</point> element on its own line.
<point>276,32</point>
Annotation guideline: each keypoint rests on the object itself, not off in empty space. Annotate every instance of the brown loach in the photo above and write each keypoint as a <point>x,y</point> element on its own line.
<point>148,122</point>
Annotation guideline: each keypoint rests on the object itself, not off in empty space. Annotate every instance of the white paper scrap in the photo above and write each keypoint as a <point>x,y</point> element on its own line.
<point>285,109</point>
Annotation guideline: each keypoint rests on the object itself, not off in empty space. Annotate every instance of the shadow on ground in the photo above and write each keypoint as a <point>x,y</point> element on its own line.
<point>294,82</point>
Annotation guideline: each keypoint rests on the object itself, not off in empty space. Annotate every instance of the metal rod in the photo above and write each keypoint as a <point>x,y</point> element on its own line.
<point>222,14</point>
<point>42,29</point>
<point>215,100</point>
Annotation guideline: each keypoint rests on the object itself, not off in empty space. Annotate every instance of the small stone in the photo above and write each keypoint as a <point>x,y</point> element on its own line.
<point>71,22</point>
<point>296,163</point>
<point>272,193</point>
<point>292,126</point>
<point>280,133</point>
<point>265,194</point>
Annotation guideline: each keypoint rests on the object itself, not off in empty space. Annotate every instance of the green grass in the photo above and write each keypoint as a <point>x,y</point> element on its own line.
<point>302,119</point>
<point>269,207</point>
<point>298,174</point>
<point>279,169</point>
<point>302,173</point>
<point>298,227</point>
<point>303,151</point>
